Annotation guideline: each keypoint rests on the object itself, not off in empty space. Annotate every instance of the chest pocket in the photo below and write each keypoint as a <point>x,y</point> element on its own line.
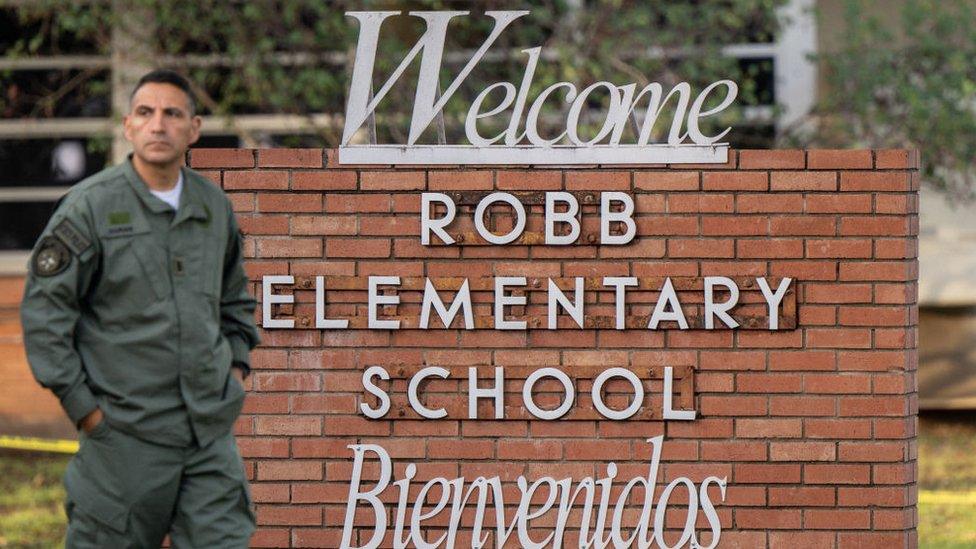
<point>205,255</point>
<point>133,265</point>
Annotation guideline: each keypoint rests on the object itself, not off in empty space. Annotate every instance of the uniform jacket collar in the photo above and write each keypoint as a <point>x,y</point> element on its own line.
<point>191,199</point>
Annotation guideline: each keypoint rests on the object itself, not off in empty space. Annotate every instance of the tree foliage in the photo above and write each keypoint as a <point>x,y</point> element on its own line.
<point>907,85</point>
<point>292,56</point>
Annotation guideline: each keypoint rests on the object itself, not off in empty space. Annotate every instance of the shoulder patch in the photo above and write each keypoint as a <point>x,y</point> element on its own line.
<point>71,237</point>
<point>52,257</point>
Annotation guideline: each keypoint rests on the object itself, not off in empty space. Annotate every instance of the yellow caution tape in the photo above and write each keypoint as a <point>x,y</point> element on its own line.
<point>39,444</point>
<point>946,497</point>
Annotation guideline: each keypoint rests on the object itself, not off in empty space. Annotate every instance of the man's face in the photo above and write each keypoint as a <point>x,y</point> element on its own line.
<point>159,124</point>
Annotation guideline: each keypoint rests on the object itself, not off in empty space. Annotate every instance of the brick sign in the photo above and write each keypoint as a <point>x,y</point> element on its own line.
<point>641,356</point>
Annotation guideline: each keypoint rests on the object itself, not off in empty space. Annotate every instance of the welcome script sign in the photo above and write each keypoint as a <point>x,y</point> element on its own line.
<point>521,142</point>
<point>599,509</point>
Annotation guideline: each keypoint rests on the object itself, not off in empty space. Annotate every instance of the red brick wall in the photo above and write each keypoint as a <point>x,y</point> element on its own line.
<point>26,408</point>
<point>814,427</point>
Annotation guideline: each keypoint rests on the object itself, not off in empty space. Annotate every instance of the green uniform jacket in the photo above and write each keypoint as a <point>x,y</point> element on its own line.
<point>140,310</point>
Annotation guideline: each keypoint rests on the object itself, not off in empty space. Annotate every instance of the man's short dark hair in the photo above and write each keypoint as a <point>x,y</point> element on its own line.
<point>166,76</point>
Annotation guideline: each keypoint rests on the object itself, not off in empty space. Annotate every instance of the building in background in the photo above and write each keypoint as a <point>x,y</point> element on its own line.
<point>946,238</point>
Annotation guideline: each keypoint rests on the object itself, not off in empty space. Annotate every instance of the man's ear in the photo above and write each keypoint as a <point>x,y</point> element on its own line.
<point>126,128</point>
<point>195,124</point>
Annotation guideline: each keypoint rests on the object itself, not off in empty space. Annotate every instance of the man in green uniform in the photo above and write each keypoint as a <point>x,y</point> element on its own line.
<point>136,315</point>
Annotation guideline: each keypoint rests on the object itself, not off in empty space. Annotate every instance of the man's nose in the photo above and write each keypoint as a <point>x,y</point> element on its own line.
<point>156,122</point>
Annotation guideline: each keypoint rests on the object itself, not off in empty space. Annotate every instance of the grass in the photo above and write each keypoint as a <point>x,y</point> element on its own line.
<point>31,500</point>
<point>32,512</point>
<point>947,481</point>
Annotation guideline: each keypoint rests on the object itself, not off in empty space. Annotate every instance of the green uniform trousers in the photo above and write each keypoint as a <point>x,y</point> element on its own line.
<point>125,492</point>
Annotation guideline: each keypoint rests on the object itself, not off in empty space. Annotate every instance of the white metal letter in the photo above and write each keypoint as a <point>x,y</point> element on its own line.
<point>428,81</point>
<point>572,120</point>
<point>597,394</point>
<point>569,216</point>
<point>370,497</point>
<point>557,297</point>
<point>362,102</point>
<point>375,300</point>
<point>479,218</point>
<point>474,114</point>
<point>626,217</point>
<point>669,411</point>
<point>415,385</point>
<point>371,388</point>
<point>662,507</point>
<point>620,283</point>
<point>437,225</point>
<point>709,509</point>
<point>462,301</point>
<point>269,299</point>
<point>695,114</point>
<point>530,405</point>
<point>713,309</point>
<point>496,392</point>
<point>321,322</point>
<point>667,298</point>
<point>501,300</point>
<point>511,134</point>
<point>773,299</point>
<point>532,120</point>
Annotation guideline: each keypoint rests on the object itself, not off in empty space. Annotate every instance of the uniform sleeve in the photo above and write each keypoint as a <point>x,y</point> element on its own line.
<point>236,304</point>
<point>61,268</point>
